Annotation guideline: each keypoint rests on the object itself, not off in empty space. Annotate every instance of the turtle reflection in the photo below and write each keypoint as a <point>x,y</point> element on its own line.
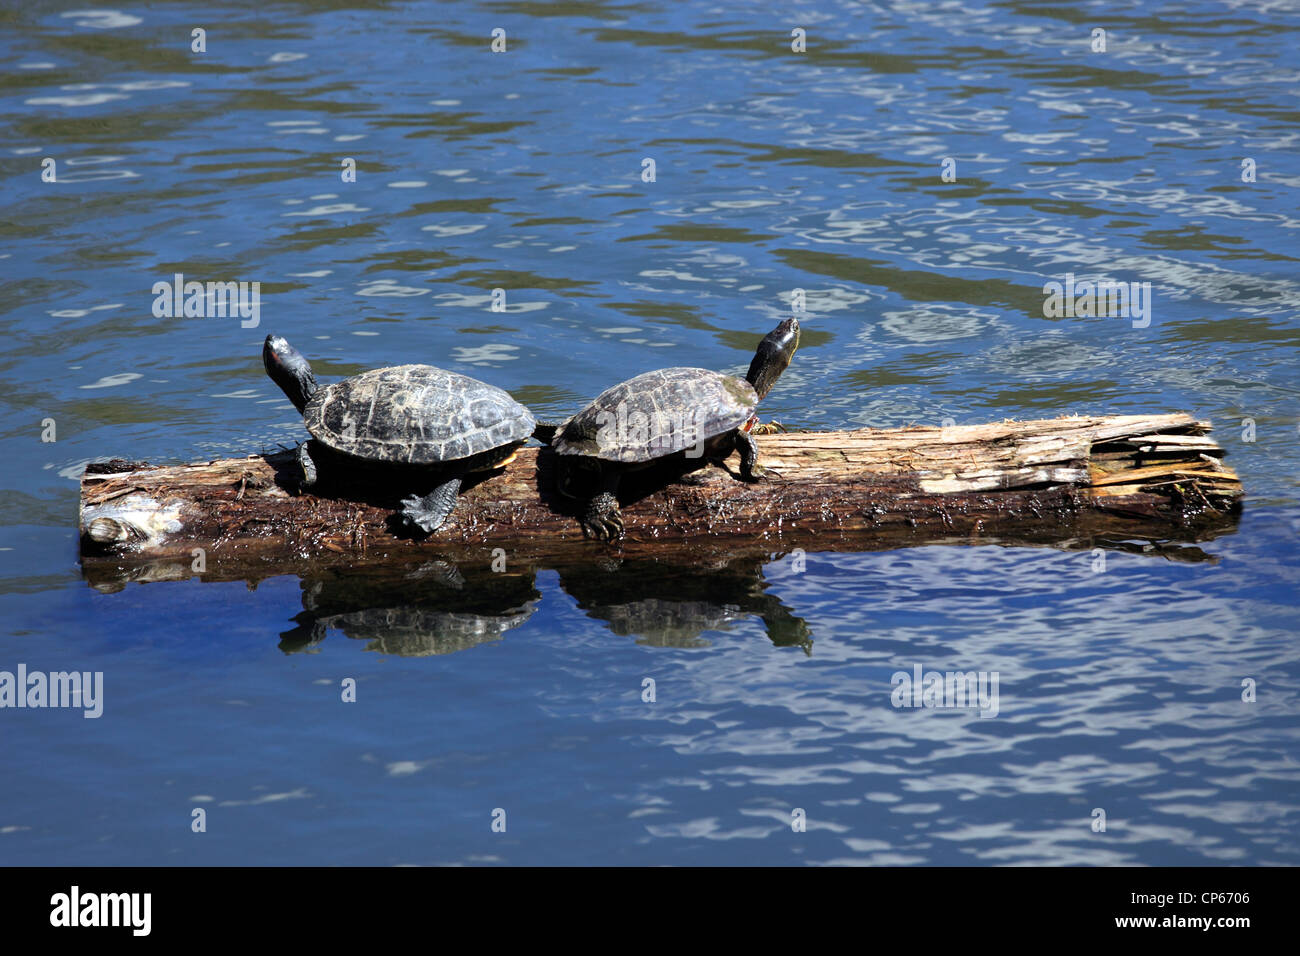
<point>416,611</point>
<point>671,605</point>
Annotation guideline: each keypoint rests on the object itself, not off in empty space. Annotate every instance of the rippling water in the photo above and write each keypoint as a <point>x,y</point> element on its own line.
<point>774,171</point>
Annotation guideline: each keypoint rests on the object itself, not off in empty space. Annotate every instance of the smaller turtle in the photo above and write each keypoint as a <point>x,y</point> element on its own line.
<point>686,412</point>
<point>413,428</point>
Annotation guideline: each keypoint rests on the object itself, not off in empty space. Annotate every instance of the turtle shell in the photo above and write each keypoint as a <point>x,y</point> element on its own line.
<point>415,414</point>
<point>656,414</point>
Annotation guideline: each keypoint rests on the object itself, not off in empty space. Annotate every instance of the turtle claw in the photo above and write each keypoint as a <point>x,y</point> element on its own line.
<point>756,473</point>
<point>432,511</point>
<point>415,513</point>
<point>602,520</point>
<point>603,529</point>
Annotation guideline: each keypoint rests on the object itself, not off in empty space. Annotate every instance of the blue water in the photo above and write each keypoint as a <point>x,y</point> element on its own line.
<point>774,171</point>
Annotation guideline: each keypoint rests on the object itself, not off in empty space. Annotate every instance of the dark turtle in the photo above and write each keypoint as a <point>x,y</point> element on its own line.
<point>423,427</point>
<point>687,412</point>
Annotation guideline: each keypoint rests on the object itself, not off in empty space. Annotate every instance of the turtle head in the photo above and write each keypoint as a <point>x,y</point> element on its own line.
<point>289,370</point>
<point>773,355</point>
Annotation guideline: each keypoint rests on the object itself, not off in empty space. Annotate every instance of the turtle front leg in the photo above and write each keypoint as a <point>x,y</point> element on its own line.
<point>309,476</point>
<point>750,469</point>
<point>430,512</point>
<point>603,520</point>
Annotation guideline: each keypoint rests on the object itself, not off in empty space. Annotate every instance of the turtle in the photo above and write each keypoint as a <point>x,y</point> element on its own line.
<point>414,428</point>
<point>686,412</point>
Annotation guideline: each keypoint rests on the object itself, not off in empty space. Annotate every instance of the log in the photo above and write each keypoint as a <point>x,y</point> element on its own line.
<point>1072,482</point>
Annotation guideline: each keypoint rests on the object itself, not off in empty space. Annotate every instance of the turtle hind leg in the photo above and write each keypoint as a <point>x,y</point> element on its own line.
<point>428,513</point>
<point>602,520</point>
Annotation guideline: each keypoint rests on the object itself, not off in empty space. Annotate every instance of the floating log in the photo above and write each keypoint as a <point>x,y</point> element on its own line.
<point>1070,482</point>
